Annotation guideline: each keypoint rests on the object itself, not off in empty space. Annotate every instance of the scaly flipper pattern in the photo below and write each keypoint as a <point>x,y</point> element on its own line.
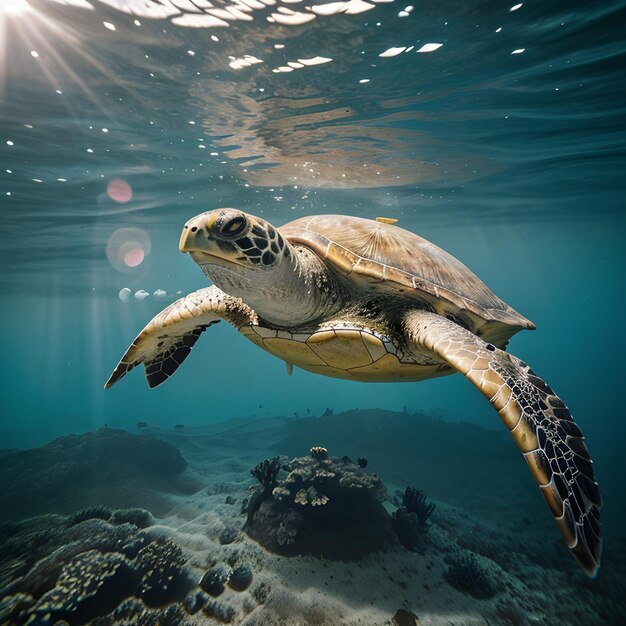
<point>539,421</point>
<point>168,338</point>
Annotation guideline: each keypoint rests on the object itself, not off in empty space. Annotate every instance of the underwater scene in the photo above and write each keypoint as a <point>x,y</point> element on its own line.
<point>312,312</point>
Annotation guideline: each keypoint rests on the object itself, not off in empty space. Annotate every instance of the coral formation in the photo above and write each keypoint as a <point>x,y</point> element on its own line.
<point>195,601</point>
<point>324,506</point>
<point>467,575</point>
<point>415,501</point>
<point>266,472</point>
<point>240,578</point>
<point>14,605</point>
<point>132,612</point>
<point>408,529</point>
<point>319,453</point>
<point>159,568</point>
<point>94,512</point>
<point>138,517</point>
<point>214,580</point>
<point>91,584</point>
<point>410,521</point>
<point>90,570</point>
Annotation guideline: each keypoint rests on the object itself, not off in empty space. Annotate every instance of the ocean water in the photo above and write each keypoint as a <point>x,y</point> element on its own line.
<point>493,129</point>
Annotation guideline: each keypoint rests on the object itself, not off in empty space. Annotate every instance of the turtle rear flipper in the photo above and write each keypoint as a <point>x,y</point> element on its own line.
<point>539,421</point>
<point>168,338</point>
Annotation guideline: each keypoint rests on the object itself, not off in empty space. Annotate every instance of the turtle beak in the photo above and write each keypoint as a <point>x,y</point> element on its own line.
<point>182,245</point>
<point>194,235</point>
<point>198,239</point>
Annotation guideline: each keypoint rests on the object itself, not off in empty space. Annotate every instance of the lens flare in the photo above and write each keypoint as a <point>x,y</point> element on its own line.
<point>127,248</point>
<point>119,190</point>
<point>134,257</point>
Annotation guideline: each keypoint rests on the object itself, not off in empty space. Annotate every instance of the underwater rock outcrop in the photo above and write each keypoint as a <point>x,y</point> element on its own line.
<point>324,506</point>
<point>403,617</point>
<point>129,470</point>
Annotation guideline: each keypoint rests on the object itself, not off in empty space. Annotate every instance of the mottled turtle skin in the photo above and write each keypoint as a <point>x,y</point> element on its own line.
<point>365,300</point>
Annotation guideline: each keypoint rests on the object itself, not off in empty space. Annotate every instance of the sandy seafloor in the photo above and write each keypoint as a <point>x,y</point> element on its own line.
<point>487,504</point>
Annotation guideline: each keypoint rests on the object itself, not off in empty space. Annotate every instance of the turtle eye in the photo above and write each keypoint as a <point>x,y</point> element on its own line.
<point>233,227</point>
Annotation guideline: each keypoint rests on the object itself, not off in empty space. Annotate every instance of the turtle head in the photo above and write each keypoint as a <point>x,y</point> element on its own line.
<point>232,239</point>
<point>248,258</point>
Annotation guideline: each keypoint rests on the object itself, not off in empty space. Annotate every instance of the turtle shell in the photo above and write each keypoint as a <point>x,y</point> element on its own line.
<point>384,257</point>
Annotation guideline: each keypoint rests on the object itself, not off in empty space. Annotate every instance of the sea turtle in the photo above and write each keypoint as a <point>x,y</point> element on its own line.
<point>368,301</point>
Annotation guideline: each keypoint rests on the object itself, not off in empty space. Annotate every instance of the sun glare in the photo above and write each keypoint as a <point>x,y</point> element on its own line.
<point>27,32</point>
<point>14,7</point>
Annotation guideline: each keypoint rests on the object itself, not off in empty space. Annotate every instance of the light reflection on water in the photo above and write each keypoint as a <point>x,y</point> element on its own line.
<point>426,114</point>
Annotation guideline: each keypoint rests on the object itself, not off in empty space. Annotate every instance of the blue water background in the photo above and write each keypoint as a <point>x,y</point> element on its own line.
<point>514,163</point>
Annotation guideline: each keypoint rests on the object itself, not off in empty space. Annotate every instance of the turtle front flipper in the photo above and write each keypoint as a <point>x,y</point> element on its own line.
<point>539,421</point>
<point>168,338</point>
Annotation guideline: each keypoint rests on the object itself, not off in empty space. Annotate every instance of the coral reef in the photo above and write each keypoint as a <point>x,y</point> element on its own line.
<point>536,583</point>
<point>130,470</point>
<point>60,570</point>
<point>266,472</point>
<point>90,585</point>
<point>324,506</point>
<point>466,574</point>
